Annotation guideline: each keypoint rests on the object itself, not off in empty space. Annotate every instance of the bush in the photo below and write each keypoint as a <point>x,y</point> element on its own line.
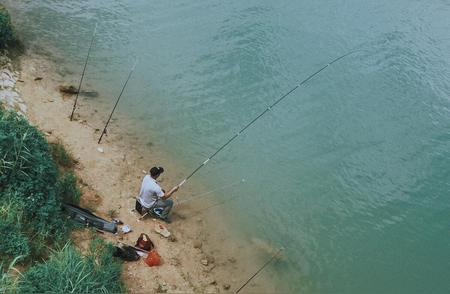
<point>66,188</point>
<point>15,243</point>
<point>29,189</point>
<point>6,29</point>
<point>61,156</point>
<point>67,271</point>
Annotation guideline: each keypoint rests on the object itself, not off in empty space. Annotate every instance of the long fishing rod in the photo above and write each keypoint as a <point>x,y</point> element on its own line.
<point>258,117</point>
<point>117,102</point>
<point>204,194</point>
<point>84,70</point>
<point>259,270</point>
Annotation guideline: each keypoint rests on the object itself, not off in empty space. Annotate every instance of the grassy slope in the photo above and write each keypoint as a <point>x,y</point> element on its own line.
<point>32,189</point>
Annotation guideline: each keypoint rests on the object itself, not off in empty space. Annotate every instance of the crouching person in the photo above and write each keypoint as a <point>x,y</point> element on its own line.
<point>152,198</point>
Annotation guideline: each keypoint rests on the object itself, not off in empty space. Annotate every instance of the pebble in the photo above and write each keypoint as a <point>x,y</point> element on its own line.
<point>204,262</point>
<point>226,286</point>
<point>175,261</point>
<point>210,259</point>
<point>198,244</point>
<point>100,149</point>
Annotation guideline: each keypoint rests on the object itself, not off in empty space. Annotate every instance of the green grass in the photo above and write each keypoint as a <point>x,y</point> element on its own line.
<point>61,156</point>
<point>67,271</point>
<point>66,188</point>
<point>32,190</point>
<point>9,277</point>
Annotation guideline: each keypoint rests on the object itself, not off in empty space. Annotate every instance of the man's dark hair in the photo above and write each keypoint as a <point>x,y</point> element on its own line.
<point>156,171</point>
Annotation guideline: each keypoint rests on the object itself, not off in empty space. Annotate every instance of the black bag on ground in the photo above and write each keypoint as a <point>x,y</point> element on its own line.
<point>126,253</point>
<point>89,219</point>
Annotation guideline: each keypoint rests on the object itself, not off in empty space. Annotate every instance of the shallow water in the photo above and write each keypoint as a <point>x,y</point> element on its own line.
<point>349,173</point>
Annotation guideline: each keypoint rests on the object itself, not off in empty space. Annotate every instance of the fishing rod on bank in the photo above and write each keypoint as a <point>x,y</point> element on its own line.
<point>117,101</point>
<point>84,70</point>
<point>259,270</point>
<point>259,116</point>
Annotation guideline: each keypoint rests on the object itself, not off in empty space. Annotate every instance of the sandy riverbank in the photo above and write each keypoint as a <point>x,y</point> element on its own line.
<point>110,181</point>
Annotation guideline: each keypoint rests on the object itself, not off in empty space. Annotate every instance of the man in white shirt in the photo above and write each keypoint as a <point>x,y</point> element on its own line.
<point>152,199</point>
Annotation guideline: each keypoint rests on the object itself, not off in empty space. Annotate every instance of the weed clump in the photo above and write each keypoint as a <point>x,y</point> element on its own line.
<point>15,242</point>
<point>8,279</point>
<point>67,271</point>
<point>31,191</point>
<point>66,188</point>
<point>61,156</point>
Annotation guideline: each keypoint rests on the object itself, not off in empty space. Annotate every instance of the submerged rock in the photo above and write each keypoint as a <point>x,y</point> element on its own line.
<point>68,89</point>
<point>7,36</point>
<point>72,90</point>
<point>90,94</point>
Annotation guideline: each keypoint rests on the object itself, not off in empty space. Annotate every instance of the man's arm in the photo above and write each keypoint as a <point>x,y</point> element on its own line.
<point>168,194</point>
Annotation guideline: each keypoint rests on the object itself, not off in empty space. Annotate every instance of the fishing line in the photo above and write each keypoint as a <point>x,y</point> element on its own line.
<point>212,191</point>
<point>259,116</point>
<point>200,211</point>
<point>84,70</point>
<point>117,102</point>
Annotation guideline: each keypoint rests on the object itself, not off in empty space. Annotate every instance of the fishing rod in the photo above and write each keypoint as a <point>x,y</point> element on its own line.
<point>84,70</point>
<point>259,270</point>
<point>117,102</point>
<point>204,194</point>
<point>258,117</point>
